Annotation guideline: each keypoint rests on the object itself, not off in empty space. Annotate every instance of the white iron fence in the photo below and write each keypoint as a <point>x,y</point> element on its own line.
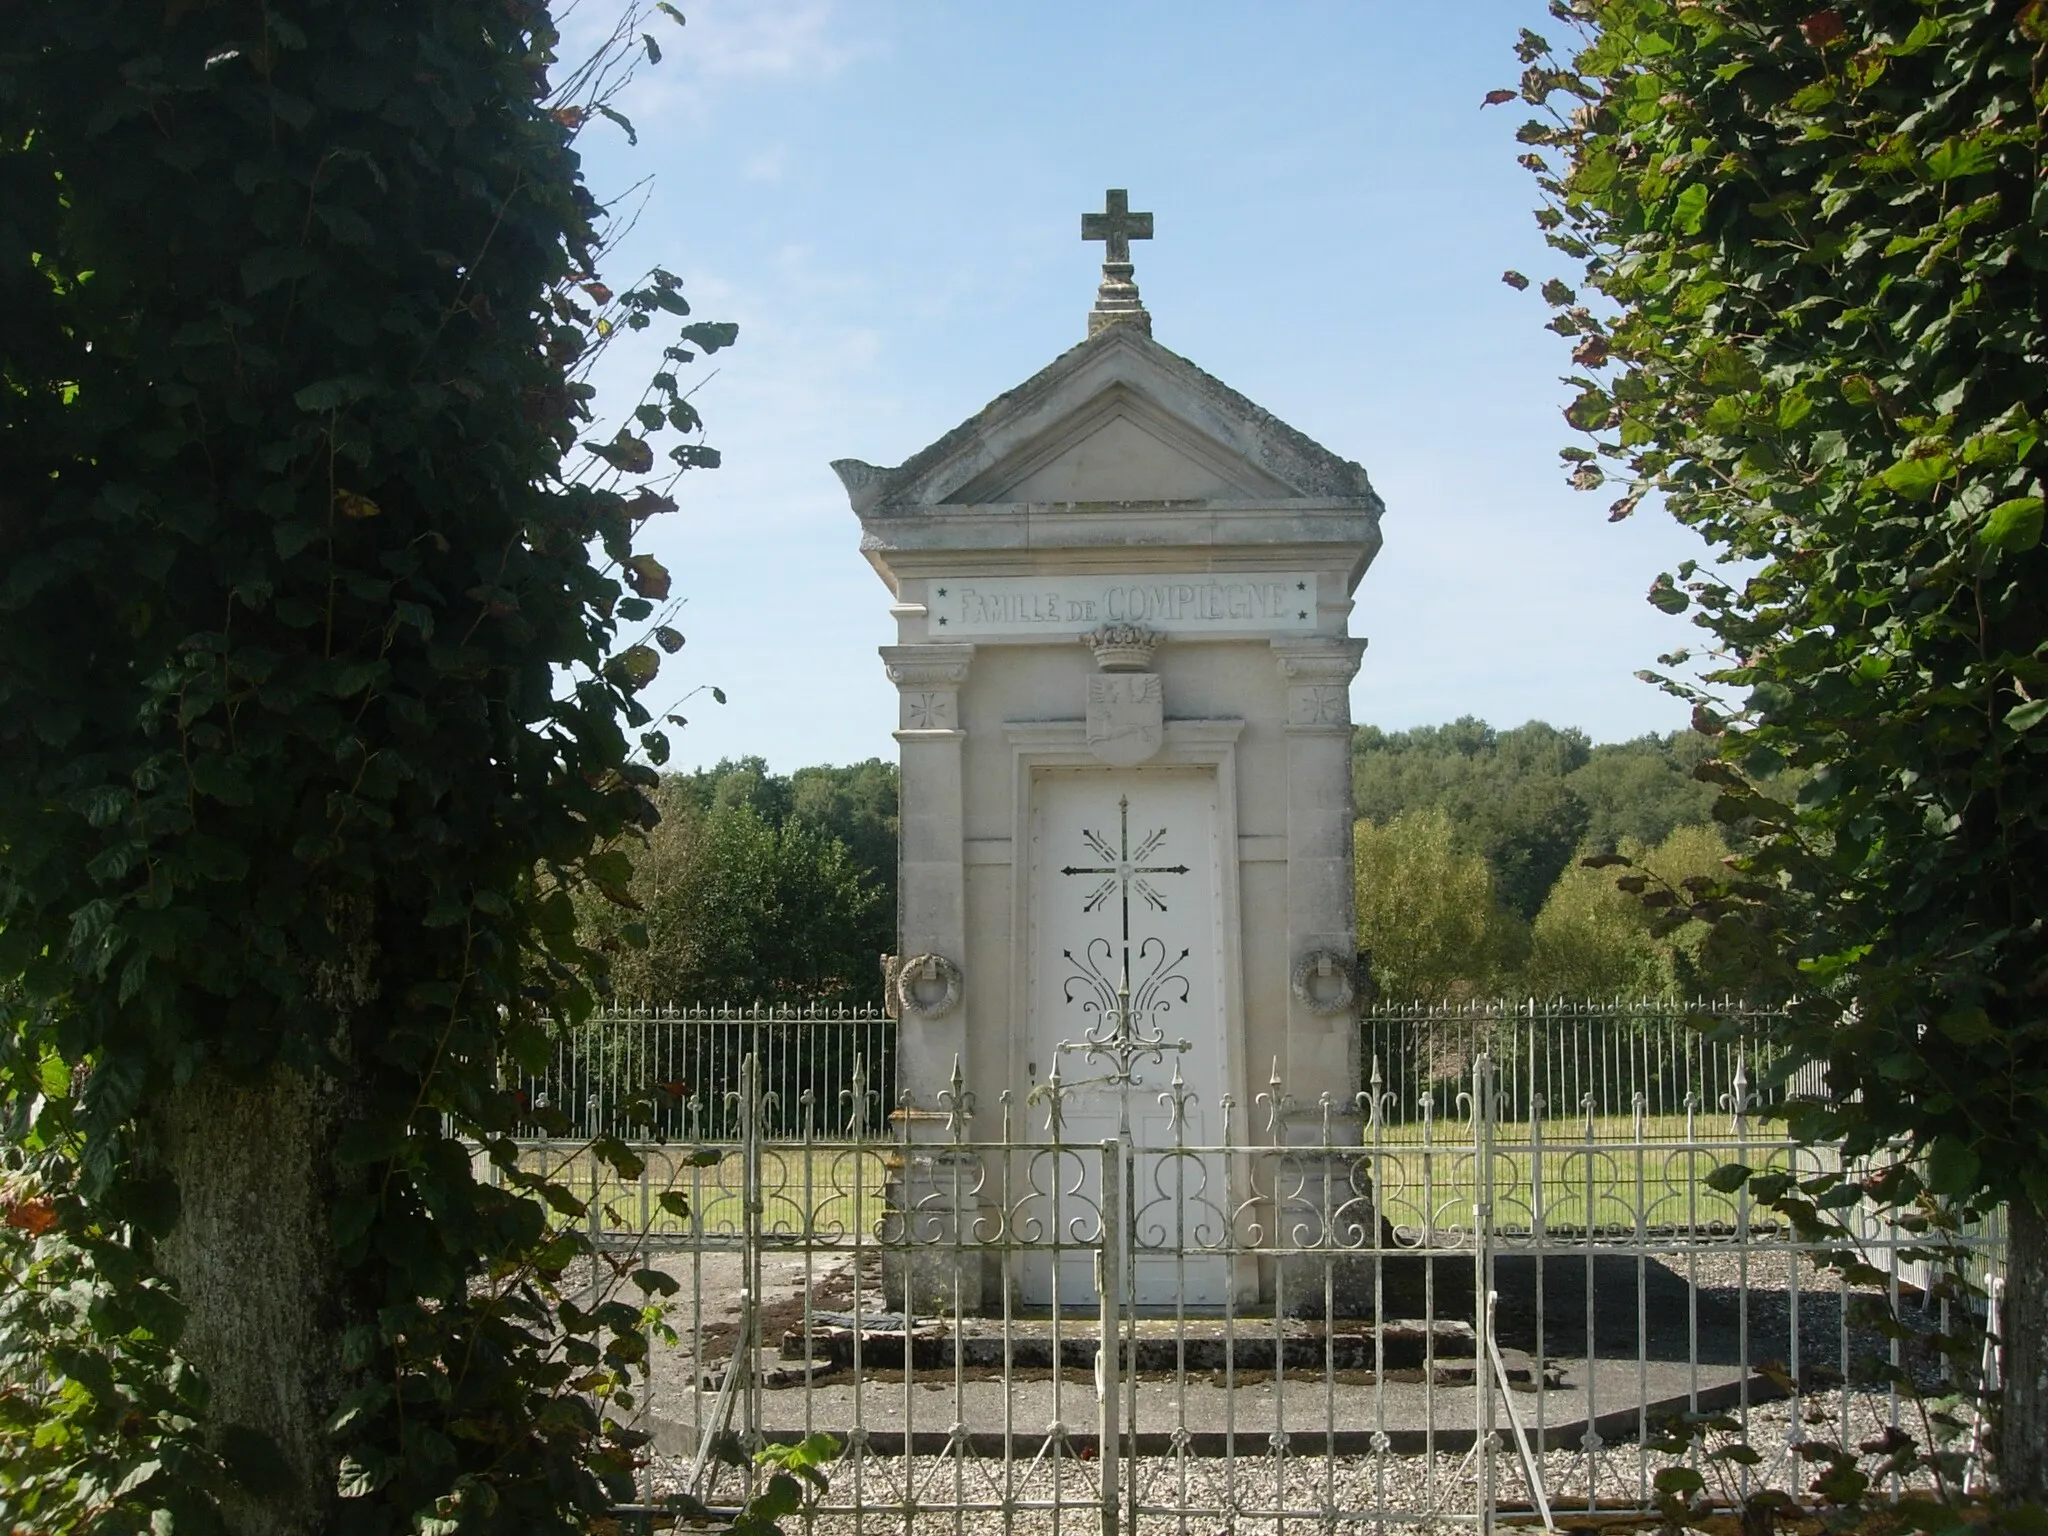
<point>1677,1058</point>
<point>1426,1306</point>
<point>669,1073</point>
<point>666,1074</point>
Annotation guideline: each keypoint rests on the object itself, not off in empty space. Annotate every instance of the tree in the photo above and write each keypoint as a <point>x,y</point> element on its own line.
<point>757,887</point>
<point>1593,939</point>
<point>292,558</point>
<point>1505,791</point>
<point>1643,789</point>
<point>1426,911</point>
<point>856,804</point>
<point>740,910</point>
<point>1814,242</point>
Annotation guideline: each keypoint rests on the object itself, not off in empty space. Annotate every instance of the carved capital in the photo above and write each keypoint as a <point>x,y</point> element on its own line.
<point>928,679</point>
<point>927,666</point>
<point>1318,660</point>
<point>1318,673</point>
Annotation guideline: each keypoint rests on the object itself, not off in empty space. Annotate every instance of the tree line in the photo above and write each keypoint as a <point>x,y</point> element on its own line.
<point>1471,882</point>
<point>758,887</point>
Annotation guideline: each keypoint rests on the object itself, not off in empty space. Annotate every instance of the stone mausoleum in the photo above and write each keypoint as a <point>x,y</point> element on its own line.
<point>1122,596</point>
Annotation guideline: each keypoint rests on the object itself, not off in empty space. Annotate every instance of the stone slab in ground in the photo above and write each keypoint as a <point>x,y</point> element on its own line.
<point>1015,1418</point>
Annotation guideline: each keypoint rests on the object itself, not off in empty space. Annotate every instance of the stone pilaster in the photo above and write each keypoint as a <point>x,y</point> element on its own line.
<point>1322,928</point>
<point>931,912</point>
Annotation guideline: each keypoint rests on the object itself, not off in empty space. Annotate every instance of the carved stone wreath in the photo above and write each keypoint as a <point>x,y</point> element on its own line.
<point>1324,965</point>
<point>915,969</point>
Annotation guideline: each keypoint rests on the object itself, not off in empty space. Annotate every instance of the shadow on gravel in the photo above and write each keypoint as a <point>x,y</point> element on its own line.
<point>1652,1305</point>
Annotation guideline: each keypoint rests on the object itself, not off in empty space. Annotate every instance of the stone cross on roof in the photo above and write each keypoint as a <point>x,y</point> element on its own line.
<point>1117,301</point>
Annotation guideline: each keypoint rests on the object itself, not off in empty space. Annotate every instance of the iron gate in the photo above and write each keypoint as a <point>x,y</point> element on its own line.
<point>1430,1314</point>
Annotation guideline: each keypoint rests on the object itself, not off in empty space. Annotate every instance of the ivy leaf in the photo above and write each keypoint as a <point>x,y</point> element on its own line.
<point>1961,157</point>
<point>333,394</point>
<point>346,225</point>
<point>1823,27</point>
<point>1966,1026</point>
<point>2013,526</point>
<point>1953,1167</point>
<point>634,667</point>
<point>2024,717</point>
<point>1666,597</point>
<point>1591,411</point>
<point>1729,1177</point>
<point>711,335</point>
<point>626,453</point>
<point>264,269</point>
<point>646,504</point>
<point>648,577</point>
<point>1915,478</point>
<point>33,1216</point>
<point>1690,211</point>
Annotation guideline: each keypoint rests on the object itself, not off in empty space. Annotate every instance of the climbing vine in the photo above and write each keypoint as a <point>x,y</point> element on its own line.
<point>1806,248</point>
<point>323,641</point>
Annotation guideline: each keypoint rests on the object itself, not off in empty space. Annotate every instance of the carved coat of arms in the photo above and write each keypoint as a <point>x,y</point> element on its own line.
<point>1126,717</point>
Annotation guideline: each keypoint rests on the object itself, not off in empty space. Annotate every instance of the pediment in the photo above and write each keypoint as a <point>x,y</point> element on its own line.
<point>1117,419</point>
<point>1122,447</point>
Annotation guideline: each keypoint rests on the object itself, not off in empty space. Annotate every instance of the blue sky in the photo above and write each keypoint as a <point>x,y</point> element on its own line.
<point>885,195</point>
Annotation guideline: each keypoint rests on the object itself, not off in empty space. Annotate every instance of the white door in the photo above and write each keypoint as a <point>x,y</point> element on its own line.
<point>1127,981</point>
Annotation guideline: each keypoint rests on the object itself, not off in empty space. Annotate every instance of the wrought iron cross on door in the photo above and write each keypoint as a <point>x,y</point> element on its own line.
<point>1127,1030</point>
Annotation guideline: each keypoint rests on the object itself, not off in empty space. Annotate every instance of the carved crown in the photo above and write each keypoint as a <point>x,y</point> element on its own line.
<point>1122,647</point>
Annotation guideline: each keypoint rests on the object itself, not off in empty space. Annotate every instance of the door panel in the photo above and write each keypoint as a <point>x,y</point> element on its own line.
<point>1126,970</point>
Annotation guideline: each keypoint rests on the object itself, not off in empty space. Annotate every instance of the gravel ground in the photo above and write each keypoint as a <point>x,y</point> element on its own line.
<point>1259,1494</point>
<point>1828,1350</point>
<point>1044,1495</point>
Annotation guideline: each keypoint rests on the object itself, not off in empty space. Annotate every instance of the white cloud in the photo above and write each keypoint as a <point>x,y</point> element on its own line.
<point>725,47</point>
<point>769,165</point>
<point>767,39</point>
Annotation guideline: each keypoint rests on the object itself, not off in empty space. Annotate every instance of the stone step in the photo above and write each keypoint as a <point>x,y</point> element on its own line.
<point>1160,1345</point>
